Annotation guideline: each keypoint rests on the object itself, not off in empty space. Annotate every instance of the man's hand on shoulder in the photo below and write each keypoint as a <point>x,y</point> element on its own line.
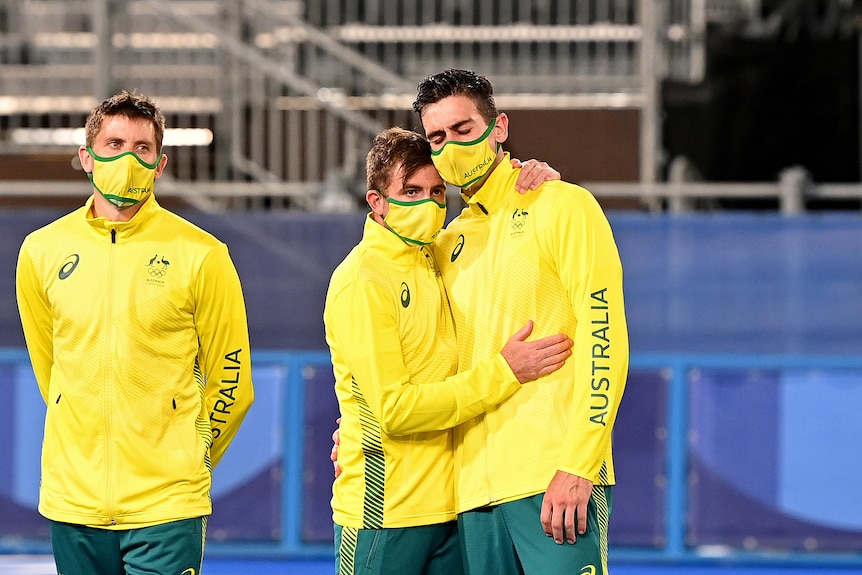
<point>533,174</point>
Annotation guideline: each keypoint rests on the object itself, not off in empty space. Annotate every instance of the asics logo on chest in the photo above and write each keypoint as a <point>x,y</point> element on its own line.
<point>405,295</point>
<point>69,266</point>
<point>459,245</point>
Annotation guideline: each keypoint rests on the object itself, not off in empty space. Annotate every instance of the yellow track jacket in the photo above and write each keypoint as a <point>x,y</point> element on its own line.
<point>390,333</point>
<point>547,256</point>
<point>138,338</point>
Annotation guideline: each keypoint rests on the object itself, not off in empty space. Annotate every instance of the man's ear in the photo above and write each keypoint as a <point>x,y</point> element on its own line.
<point>375,201</point>
<point>161,167</point>
<point>86,159</point>
<point>501,129</point>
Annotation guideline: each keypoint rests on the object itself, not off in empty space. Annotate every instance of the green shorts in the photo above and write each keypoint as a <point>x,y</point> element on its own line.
<point>422,550</point>
<point>174,548</point>
<point>508,539</point>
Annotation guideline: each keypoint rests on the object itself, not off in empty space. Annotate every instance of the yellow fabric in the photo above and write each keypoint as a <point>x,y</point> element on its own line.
<point>547,256</point>
<point>392,342</point>
<point>138,338</point>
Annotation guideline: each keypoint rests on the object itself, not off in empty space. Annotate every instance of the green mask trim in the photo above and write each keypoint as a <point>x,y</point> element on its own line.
<point>152,166</point>
<point>414,203</point>
<point>484,135</point>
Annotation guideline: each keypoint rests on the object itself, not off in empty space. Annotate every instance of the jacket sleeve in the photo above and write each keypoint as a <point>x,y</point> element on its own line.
<point>225,358</point>
<point>589,266</point>
<point>362,332</point>
<point>35,319</point>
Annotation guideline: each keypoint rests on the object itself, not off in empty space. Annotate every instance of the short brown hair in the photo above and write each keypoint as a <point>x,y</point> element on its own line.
<point>454,82</point>
<point>131,105</point>
<point>392,149</point>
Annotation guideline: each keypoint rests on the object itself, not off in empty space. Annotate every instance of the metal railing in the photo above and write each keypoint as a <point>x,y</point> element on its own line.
<point>791,194</point>
<point>291,92</point>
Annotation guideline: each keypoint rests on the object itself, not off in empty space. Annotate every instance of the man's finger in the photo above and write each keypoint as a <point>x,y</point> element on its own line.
<point>545,517</point>
<point>582,518</point>
<point>571,517</point>
<point>557,525</point>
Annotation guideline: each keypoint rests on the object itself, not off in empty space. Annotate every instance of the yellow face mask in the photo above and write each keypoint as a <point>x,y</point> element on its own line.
<point>417,222</point>
<point>464,163</point>
<point>124,180</point>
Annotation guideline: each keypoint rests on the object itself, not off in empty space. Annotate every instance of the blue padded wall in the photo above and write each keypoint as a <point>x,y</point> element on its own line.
<point>757,440</point>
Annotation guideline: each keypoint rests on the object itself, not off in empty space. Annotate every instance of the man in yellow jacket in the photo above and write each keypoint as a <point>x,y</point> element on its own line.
<point>136,327</point>
<point>536,469</point>
<point>392,340</point>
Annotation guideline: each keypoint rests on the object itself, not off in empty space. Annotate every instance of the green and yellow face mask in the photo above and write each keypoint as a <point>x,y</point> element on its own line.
<point>418,222</point>
<point>464,163</point>
<point>125,180</point>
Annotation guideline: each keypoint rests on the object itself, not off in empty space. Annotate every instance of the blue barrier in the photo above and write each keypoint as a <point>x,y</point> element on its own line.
<point>715,456</point>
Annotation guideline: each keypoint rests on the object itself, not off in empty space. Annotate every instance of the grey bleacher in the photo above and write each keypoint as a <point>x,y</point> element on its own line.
<point>292,91</point>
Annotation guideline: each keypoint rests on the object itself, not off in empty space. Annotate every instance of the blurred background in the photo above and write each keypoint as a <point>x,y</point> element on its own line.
<point>722,137</point>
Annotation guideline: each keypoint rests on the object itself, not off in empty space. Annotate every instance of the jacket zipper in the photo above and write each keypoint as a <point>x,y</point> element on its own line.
<point>109,458</point>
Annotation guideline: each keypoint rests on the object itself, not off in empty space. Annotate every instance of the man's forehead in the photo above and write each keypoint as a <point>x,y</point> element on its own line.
<point>426,176</point>
<point>456,106</point>
<point>120,125</point>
